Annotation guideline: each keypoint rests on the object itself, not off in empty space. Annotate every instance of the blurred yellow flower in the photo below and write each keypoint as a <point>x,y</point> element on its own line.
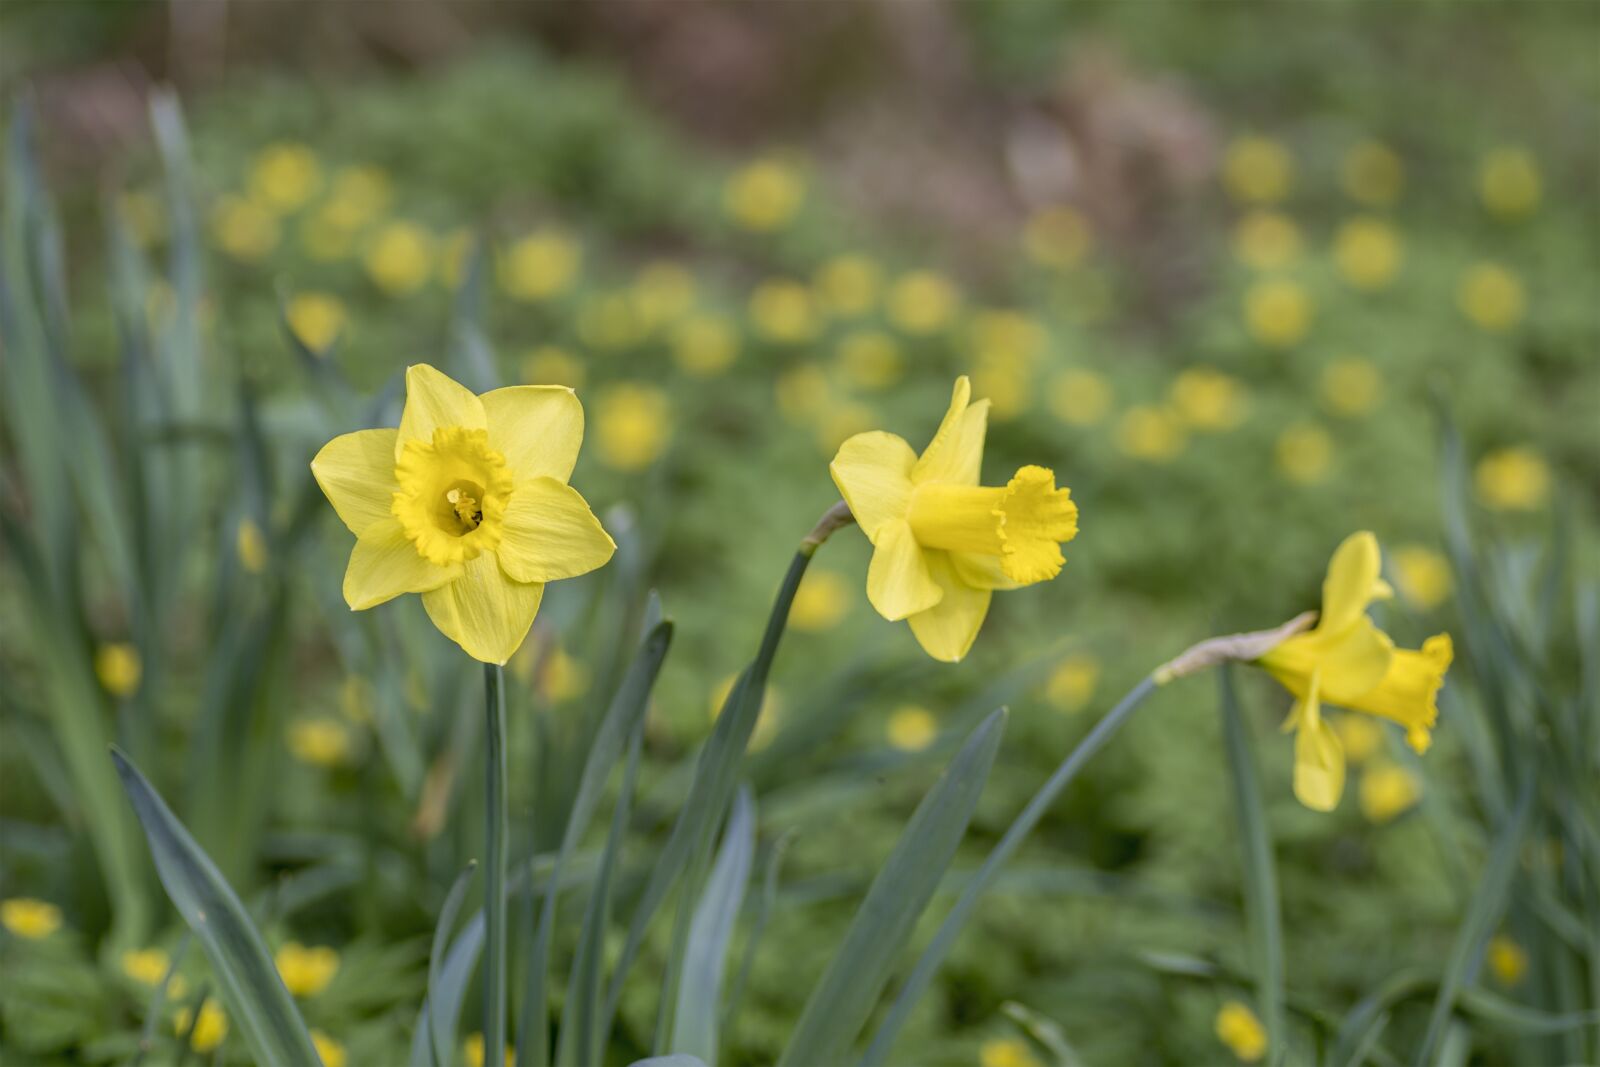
<point>209,1029</point>
<point>1266,240</point>
<point>1006,1052</point>
<point>325,239</point>
<point>802,393</point>
<point>540,266</point>
<point>549,365</point>
<point>1008,335</point>
<point>610,321</point>
<point>1080,397</point>
<point>306,971</point>
<point>561,677</point>
<point>472,1049</point>
<point>147,966</point>
<point>1368,252</point>
<point>1057,237</point>
<point>316,318</point>
<point>1257,170</point>
<point>358,196</point>
<point>783,311</point>
<point>1373,174</point>
<point>468,504</point>
<point>118,667</point>
<point>1150,433</point>
<point>1072,684</point>
<point>766,719</point>
<point>1348,662</point>
<point>1207,399</point>
<point>871,359</point>
<point>1238,1028</point>
<point>285,176</point>
<point>1422,576</point>
<point>849,285</point>
<point>941,542</point>
<point>144,215</point>
<point>705,345</point>
<point>319,741</point>
<point>1509,183</point>
<point>244,229</point>
<point>30,918</point>
<point>356,699</point>
<point>821,602</point>
<point>633,425</point>
<point>1492,297</point>
<point>1360,736</point>
<point>1350,386</point>
<point>251,545</point>
<point>911,728</point>
<point>1513,479</point>
<point>1007,380</point>
<point>1304,453</point>
<point>1507,960</point>
<point>664,292</point>
<point>922,302</point>
<point>764,196</point>
<point>400,258</point>
<point>329,1051</point>
<point>843,420</point>
<point>1388,790</point>
<point>1277,312</point>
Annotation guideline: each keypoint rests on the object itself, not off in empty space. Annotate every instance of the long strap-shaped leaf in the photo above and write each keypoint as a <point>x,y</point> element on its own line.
<point>849,989</point>
<point>254,993</point>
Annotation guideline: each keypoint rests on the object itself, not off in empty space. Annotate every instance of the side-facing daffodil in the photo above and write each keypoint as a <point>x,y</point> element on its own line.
<point>1347,661</point>
<point>466,503</point>
<point>941,542</point>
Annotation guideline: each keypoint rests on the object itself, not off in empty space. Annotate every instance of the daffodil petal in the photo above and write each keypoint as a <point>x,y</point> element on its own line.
<point>483,611</point>
<point>898,582</point>
<point>538,428</point>
<point>550,533</point>
<point>1318,757</point>
<point>981,571</point>
<point>386,564</point>
<point>356,473</point>
<point>1352,582</point>
<point>956,452</point>
<point>435,400</point>
<point>873,473</point>
<point>947,630</point>
<point>1351,662</point>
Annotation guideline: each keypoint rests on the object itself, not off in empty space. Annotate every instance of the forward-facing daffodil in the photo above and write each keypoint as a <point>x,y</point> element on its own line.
<point>1347,661</point>
<point>941,542</point>
<point>467,503</point>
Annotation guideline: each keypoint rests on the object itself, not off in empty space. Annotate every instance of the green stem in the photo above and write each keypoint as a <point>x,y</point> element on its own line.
<point>494,904</point>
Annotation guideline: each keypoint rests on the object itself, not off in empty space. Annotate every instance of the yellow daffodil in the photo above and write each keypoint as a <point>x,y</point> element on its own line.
<point>1507,960</point>
<point>285,176</point>
<point>306,971</point>
<point>468,504</point>
<point>1071,685</point>
<point>1239,1029</point>
<point>1373,174</point>
<point>30,918</point>
<point>1422,576</point>
<point>540,266</point>
<point>1304,453</point>
<point>704,345</point>
<point>1151,433</point>
<point>1056,237</point>
<point>550,365</point>
<point>317,319</point>
<point>941,542</point>
<point>1513,479</point>
<point>848,285</point>
<point>244,229</point>
<point>118,667</point>
<point>1266,240</point>
<point>764,196</point>
<point>822,600</point>
<point>1257,170</point>
<point>1006,1052</point>
<point>1508,182</point>
<point>330,1051</point>
<point>1277,312</point>
<point>1207,399</point>
<point>633,426</point>
<point>400,258</point>
<point>1367,252</point>
<point>319,741</point>
<point>209,1029</point>
<point>1079,397</point>
<point>251,545</point>
<point>871,359</point>
<point>1492,297</point>
<point>1350,386</point>
<point>1345,660</point>
<point>922,302</point>
<point>911,728</point>
<point>1387,791</point>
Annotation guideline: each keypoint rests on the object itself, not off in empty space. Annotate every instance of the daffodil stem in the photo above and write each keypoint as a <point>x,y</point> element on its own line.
<point>494,871</point>
<point>933,956</point>
<point>834,518</point>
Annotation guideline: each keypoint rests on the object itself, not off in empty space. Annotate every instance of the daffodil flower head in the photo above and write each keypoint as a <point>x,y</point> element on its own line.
<point>942,543</point>
<point>1347,661</point>
<point>467,503</point>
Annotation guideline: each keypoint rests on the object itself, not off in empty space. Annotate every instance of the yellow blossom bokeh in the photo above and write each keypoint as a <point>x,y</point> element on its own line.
<point>319,741</point>
<point>1151,433</point>
<point>1072,683</point>
<point>783,311</point>
<point>1238,1028</point>
<point>399,259</point>
<point>1513,479</point>
<point>306,971</point>
<point>1350,386</point>
<point>1421,575</point>
<point>540,266</point>
<point>118,667</point>
<point>28,918</point>
<point>764,196</point>
<point>1372,174</point>
<point>1257,170</point>
<point>1266,240</point>
<point>1304,453</point>
<point>1368,252</point>
<point>1057,237</point>
<point>285,176</point>
<point>633,423</point>
<point>1509,183</point>
<point>317,319</point>
<point>1080,397</point>
<point>922,302</point>
<point>1387,791</point>
<point>849,285</point>
<point>822,601</point>
<point>1492,297</point>
<point>1207,399</point>
<point>1277,312</point>
<point>911,728</point>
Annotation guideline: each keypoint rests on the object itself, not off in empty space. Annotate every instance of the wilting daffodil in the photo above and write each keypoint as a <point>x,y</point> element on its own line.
<point>941,542</point>
<point>466,503</point>
<point>1347,661</point>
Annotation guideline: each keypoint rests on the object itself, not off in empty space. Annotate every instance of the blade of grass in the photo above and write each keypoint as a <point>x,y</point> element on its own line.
<point>255,995</point>
<point>848,990</point>
<point>436,958</point>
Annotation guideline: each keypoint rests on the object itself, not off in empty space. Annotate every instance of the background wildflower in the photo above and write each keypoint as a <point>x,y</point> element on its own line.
<point>1492,297</point>
<point>552,365</point>
<point>1006,1052</point>
<point>1350,386</point>
<point>1277,312</point>
<point>1422,576</point>
<point>764,196</point>
<point>1368,252</point>
<point>911,728</point>
<point>704,345</point>
<point>849,285</point>
<point>285,176</point>
<point>1387,791</point>
<point>922,302</point>
<point>1150,433</point>
<point>30,918</point>
<point>1072,684</point>
<point>1304,452</point>
<point>540,266</point>
<point>244,229</point>
<point>782,310</point>
<point>317,319</point>
<point>1207,399</point>
<point>118,667</point>
<point>1266,240</point>
<point>210,1029</point>
<point>1057,237</point>
<point>306,971</point>
<point>319,741</point>
<point>330,1051</point>
<point>1509,183</point>
<point>400,258</point>
<point>1257,170</point>
<point>1372,173</point>
<point>633,423</point>
<point>1238,1028</point>
<point>250,544</point>
<point>871,359</point>
<point>1080,397</point>
<point>821,602</point>
<point>1513,479</point>
<point>1508,961</point>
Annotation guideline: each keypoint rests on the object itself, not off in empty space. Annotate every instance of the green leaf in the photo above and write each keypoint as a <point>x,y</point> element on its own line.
<point>441,1012</point>
<point>1260,874</point>
<point>255,995</point>
<point>841,1001</point>
<point>436,962</point>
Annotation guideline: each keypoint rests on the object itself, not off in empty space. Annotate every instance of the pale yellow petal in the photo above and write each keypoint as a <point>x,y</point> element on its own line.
<point>434,400</point>
<point>873,473</point>
<point>982,571</point>
<point>550,534</point>
<point>538,428</point>
<point>385,564</point>
<point>898,582</point>
<point>483,611</point>
<point>1352,581</point>
<point>947,630</point>
<point>356,473</point>
<point>1318,757</point>
<point>956,452</point>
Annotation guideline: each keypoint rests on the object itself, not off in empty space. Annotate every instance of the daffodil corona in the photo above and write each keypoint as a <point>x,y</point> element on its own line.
<point>943,543</point>
<point>467,503</point>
